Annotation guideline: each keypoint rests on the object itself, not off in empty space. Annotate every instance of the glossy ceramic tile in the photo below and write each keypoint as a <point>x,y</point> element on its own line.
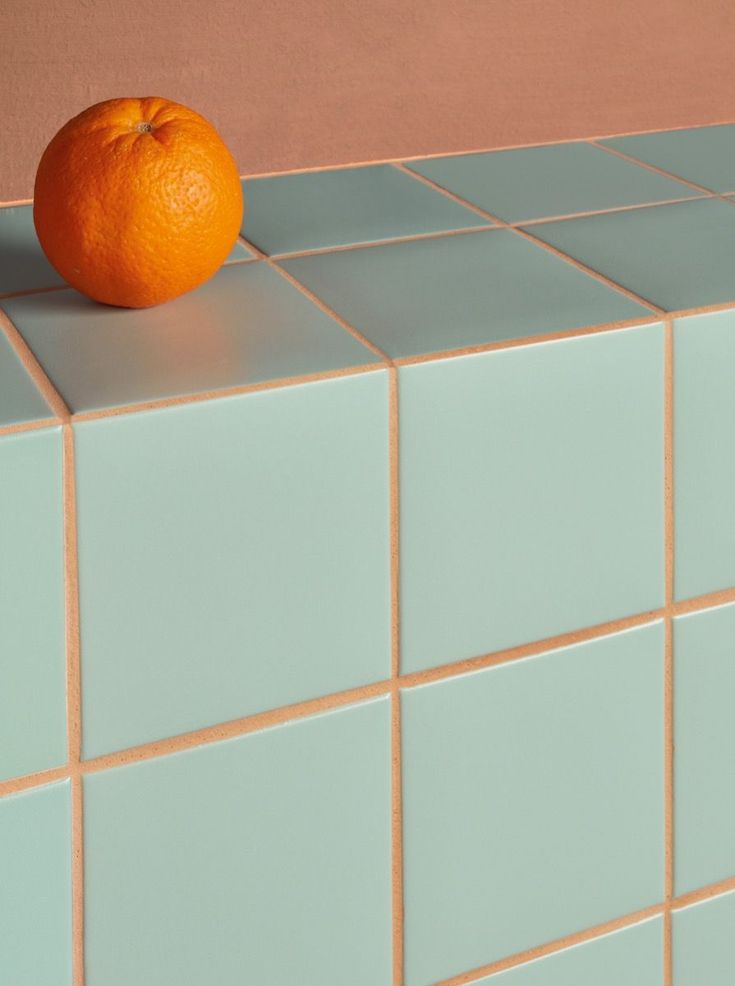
<point>555,180</point>
<point>632,957</point>
<point>266,859</point>
<point>704,943</point>
<point>532,800</point>
<point>23,264</point>
<point>32,650</point>
<point>240,252</point>
<point>456,291</point>
<point>677,256</point>
<point>702,154</point>
<point>234,556</point>
<point>704,781</point>
<point>531,493</point>
<point>246,325</point>
<point>345,206</point>
<point>35,888</point>
<point>704,453</point>
<point>19,399</point>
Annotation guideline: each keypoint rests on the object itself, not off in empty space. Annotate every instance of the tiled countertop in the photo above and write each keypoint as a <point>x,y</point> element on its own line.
<point>412,504</point>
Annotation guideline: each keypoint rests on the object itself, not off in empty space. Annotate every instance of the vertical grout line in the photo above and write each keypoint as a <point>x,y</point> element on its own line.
<point>396,765</point>
<point>668,642</point>
<point>73,703</point>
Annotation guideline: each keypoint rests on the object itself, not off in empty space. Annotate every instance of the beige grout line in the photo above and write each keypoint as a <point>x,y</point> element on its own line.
<point>636,207</point>
<point>73,702</point>
<point>29,782</point>
<point>29,292</point>
<point>208,395</point>
<point>396,745</point>
<point>652,167</point>
<point>33,368</point>
<point>668,645</point>
<point>439,234</point>
<point>719,598</point>
<point>29,426</point>
<point>703,893</point>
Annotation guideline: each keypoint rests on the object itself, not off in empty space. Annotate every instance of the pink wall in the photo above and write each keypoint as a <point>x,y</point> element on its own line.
<point>298,83</point>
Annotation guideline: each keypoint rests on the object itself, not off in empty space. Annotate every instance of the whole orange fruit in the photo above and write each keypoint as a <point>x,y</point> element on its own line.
<point>137,201</point>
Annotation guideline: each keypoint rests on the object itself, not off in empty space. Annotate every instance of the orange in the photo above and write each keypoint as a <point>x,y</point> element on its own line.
<point>137,201</point>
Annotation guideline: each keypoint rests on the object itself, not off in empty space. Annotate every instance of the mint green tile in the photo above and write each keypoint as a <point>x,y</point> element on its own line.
<point>32,621</point>
<point>340,207</point>
<point>456,291</point>
<point>677,256</point>
<point>240,252</point>
<point>704,453</point>
<point>266,859</point>
<point>704,943</point>
<point>233,557</point>
<point>19,399</point>
<point>704,782</point>
<point>554,180</point>
<point>35,887</point>
<point>246,325</point>
<point>23,264</point>
<point>532,801</point>
<point>632,957</point>
<point>531,484</point>
<point>701,154</point>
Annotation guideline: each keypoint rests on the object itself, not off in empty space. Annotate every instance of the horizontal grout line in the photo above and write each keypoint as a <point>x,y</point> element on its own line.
<point>209,395</point>
<point>29,292</point>
<point>366,244</point>
<point>703,893</point>
<point>671,175</point>
<point>27,782</point>
<point>707,601</point>
<point>30,426</point>
<point>637,206</point>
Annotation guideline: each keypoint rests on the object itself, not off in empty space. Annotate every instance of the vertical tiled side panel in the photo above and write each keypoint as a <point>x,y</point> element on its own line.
<point>263,860</point>
<point>704,453</point>
<point>631,957</point>
<point>32,655</point>
<point>531,484</point>
<point>35,888</point>
<point>704,764</point>
<point>704,943</point>
<point>533,801</point>
<point>234,557</point>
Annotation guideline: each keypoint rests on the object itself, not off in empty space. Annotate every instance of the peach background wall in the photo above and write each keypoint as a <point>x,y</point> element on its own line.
<point>298,83</point>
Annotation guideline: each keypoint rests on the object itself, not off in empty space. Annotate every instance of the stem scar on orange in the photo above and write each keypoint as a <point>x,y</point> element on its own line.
<point>137,201</point>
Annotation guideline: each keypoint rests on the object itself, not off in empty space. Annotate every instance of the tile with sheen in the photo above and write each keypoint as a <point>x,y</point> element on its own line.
<point>703,938</point>
<point>233,557</point>
<point>32,617</point>
<point>240,252</point>
<point>704,735</point>
<point>676,256</point>
<point>244,326</point>
<point>20,401</point>
<point>265,859</point>
<point>23,264</point>
<point>704,453</point>
<point>532,801</point>
<point>457,291</point>
<point>553,180</point>
<point>701,154</point>
<point>537,472</point>
<point>344,206</point>
<point>631,957</point>
<point>35,887</point>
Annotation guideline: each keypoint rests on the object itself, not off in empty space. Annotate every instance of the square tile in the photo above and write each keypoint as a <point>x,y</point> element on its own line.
<point>284,837</point>
<point>341,207</point>
<point>677,256</point>
<point>554,180</point>
<point>703,938</point>
<point>32,616</point>
<point>704,453</point>
<point>701,154</point>
<point>704,765</point>
<point>23,264</point>
<point>531,493</point>
<point>532,801</point>
<point>457,291</point>
<point>35,887</point>
<point>234,556</point>
<point>20,401</point>
<point>631,957</point>
<point>246,325</point>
